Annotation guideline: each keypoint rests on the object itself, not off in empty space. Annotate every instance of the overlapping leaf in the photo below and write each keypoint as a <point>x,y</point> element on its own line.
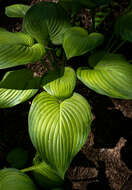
<point>77,41</point>
<point>46,20</point>
<point>58,129</point>
<point>123,27</point>
<point>17,87</point>
<point>45,176</point>
<point>18,49</point>
<point>13,179</point>
<point>110,76</point>
<point>16,10</point>
<point>60,85</point>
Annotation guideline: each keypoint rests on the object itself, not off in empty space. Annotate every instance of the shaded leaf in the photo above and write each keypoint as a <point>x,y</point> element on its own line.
<point>46,21</point>
<point>17,87</point>
<point>18,49</point>
<point>58,129</point>
<point>13,179</point>
<point>60,85</point>
<point>17,158</point>
<point>110,76</point>
<point>77,41</point>
<point>91,4</point>
<point>45,176</point>
<point>16,10</point>
<point>123,27</point>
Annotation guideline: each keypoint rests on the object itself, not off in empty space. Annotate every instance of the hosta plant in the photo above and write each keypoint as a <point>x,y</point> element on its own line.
<point>59,119</point>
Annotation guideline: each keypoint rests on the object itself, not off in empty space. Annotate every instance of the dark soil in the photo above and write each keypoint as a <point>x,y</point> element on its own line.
<point>105,161</point>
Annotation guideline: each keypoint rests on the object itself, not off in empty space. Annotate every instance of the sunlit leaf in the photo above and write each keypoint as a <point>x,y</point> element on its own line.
<point>123,27</point>
<point>110,76</point>
<point>46,21</point>
<point>18,49</point>
<point>13,179</point>
<point>17,87</point>
<point>16,10</point>
<point>77,41</point>
<point>60,85</point>
<point>45,176</point>
<point>58,129</point>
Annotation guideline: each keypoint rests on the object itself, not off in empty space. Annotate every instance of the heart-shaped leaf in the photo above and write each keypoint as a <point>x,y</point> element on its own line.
<point>45,176</point>
<point>18,49</point>
<point>110,76</point>
<point>17,87</point>
<point>60,85</point>
<point>123,27</point>
<point>16,10</point>
<point>58,129</point>
<point>46,20</point>
<point>13,179</point>
<point>77,41</point>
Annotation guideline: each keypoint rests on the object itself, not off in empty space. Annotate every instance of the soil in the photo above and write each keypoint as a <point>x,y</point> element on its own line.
<point>104,162</point>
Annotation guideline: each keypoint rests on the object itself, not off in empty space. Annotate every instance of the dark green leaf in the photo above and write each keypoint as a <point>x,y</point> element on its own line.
<point>13,179</point>
<point>123,27</point>
<point>46,21</point>
<point>17,158</point>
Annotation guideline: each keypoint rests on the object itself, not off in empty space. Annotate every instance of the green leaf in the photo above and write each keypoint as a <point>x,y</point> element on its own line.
<point>18,49</point>
<point>70,6</point>
<point>58,129</point>
<point>110,76</point>
<point>123,27</point>
<point>77,41</point>
<point>46,21</point>
<point>91,4</point>
<point>17,158</point>
<point>13,179</point>
<point>17,87</point>
<point>45,176</point>
<point>16,10</point>
<point>60,85</point>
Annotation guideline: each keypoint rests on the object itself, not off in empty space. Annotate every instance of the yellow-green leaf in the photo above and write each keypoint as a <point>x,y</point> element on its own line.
<point>18,49</point>
<point>77,41</point>
<point>17,87</point>
<point>58,129</point>
<point>111,75</point>
<point>16,10</point>
<point>60,85</point>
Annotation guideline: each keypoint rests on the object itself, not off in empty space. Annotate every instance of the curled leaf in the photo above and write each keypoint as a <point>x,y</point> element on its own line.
<point>45,21</point>
<point>60,85</point>
<point>18,49</point>
<point>45,176</point>
<point>111,75</point>
<point>16,10</point>
<point>17,87</point>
